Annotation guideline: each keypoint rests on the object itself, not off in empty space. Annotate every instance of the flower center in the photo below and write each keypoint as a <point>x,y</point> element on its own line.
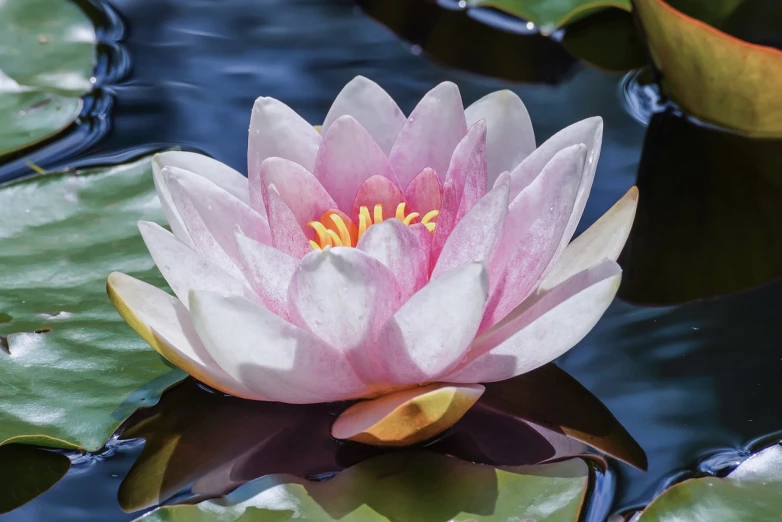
<point>335,228</point>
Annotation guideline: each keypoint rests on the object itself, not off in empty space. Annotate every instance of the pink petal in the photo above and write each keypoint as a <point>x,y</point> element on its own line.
<point>541,330</point>
<point>425,192</point>
<point>182,267</point>
<point>477,236</point>
<point>168,324</point>
<point>590,133</point>
<point>377,190</point>
<point>343,296</point>
<point>468,163</point>
<point>430,134</point>
<point>398,247</point>
<point>374,109</point>
<point>269,272</point>
<point>276,130</point>
<point>347,157</point>
<point>476,181</point>
<point>529,245</point>
<point>217,210</point>
<point>432,331</point>
<point>510,137</point>
<point>287,234</point>
<point>603,240</point>
<point>269,355</point>
<point>299,189</point>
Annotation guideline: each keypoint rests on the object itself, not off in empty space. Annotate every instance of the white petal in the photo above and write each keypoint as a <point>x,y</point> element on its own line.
<point>432,331</point>
<point>603,240</point>
<point>215,171</point>
<point>510,137</point>
<point>182,267</point>
<point>269,355</point>
<point>543,328</point>
<point>374,109</point>
<point>162,321</point>
<point>276,130</point>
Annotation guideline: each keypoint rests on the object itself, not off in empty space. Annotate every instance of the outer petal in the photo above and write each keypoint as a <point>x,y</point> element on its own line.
<point>430,134</point>
<point>530,253</point>
<point>269,272</point>
<point>162,321</point>
<point>269,355</point>
<point>287,234</point>
<point>348,157</point>
<point>222,175</point>
<point>432,331</point>
<point>541,330</point>
<point>603,240</point>
<point>215,171</point>
<point>377,190</point>
<point>396,246</point>
<point>468,162</point>
<point>477,236</point>
<point>510,137</point>
<point>299,189</point>
<point>406,417</point>
<point>590,133</point>
<point>182,267</point>
<point>425,192</point>
<point>374,109</point>
<point>276,130</point>
<point>218,210</point>
<point>344,296</point>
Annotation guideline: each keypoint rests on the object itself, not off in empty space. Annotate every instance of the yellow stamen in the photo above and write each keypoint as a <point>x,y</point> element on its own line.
<point>363,217</point>
<point>344,235</point>
<point>335,240</point>
<point>320,230</point>
<point>378,214</point>
<point>409,219</point>
<point>430,216</point>
<point>400,211</point>
<point>315,246</point>
<point>429,226</point>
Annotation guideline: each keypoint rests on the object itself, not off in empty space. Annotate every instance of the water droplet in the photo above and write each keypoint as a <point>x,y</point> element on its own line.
<point>530,26</point>
<point>416,49</point>
<point>462,4</point>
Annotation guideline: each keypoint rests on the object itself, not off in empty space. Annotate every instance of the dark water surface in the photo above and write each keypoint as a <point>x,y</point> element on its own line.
<point>694,383</point>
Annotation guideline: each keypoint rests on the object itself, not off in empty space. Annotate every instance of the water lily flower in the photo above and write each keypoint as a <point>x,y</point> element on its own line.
<point>400,260</point>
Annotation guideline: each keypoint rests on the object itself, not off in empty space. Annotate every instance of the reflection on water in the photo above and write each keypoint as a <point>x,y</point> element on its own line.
<point>686,381</point>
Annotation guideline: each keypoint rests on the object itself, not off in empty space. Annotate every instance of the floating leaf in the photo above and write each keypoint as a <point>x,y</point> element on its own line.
<point>548,14</point>
<point>409,486</point>
<point>26,472</point>
<point>753,491</point>
<point>709,220</point>
<point>47,57</point>
<point>72,370</point>
<point>716,77</point>
<point>459,40</point>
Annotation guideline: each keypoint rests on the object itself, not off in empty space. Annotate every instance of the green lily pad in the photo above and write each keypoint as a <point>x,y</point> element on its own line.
<point>551,14</point>
<point>47,58</point>
<point>26,472</point>
<point>71,370</point>
<point>409,487</point>
<point>608,40</point>
<point>753,491</point>
<point>710,74</point>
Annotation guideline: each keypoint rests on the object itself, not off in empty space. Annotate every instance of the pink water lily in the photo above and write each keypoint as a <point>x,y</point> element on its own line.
<point>378,253</point>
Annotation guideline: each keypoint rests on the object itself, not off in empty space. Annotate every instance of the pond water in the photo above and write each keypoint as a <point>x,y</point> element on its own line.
<point>693,383</point>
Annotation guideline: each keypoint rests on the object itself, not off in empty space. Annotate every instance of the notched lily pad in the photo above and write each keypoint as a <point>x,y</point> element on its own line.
<point>753,491</point>
<point>72,385</point>
<point>409,486</point>
<point>47,58</point>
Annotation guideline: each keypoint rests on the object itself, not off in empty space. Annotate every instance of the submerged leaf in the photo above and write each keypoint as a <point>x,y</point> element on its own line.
<point>409,486</point>
<point>26,472</point>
